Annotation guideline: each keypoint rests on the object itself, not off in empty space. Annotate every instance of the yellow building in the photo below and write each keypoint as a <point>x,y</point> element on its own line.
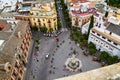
<point>43,14</point>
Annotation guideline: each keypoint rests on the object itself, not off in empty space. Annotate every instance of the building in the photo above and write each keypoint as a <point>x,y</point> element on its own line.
<point>80,12</point>
<point>38,13</point>
<point>43,14</point>
<point>106,37</point>
<point>114,16</point>
<point>8,3</point>
<point>15,41</point>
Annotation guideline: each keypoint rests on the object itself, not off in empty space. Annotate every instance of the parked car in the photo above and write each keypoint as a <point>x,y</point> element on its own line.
<point>47,56</point>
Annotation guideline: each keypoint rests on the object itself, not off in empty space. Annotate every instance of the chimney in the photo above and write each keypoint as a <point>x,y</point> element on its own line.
<point>19,35</point>
<point>6,67</point>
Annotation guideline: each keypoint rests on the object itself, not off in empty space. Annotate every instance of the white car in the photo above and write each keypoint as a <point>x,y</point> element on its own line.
<point>47,55</point>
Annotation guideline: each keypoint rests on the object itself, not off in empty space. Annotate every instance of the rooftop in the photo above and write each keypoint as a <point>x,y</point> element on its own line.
<point>88,12</point>
<point>7,54</point>
<point>114,28</point>
<point>1,42</point>
<point>81,1</point>
<point>3,24</point>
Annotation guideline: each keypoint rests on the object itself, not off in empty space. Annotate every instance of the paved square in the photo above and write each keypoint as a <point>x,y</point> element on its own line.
<point>40,68</point>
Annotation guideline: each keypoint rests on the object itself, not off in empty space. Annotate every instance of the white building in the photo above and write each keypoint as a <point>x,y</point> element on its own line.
<point>12,3</point>
<point>106,37</point>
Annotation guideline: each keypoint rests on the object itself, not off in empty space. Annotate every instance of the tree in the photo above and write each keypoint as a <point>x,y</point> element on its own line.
<point>106,14</point>
<point>114,3</point>
<point>36,47</point>
<point>59,25</point>
<point>91,45</point>
<point>37,40</point>
<point>51,30</point>
<point>35,28</point>
<point>110,60</point>
<point>92,51</point>
<point>82,38</point>
<point>85,42</point>
<point>91,25</point>
<point>43,29</point>
<point>115,58</point>
<point>75,29</point>
<point>76,39</point>
<point>104,55</point>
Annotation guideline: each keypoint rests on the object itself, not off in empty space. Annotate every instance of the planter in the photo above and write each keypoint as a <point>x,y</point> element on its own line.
<point>103,64</point>
<point>86,54</point>
<point>95,59</point>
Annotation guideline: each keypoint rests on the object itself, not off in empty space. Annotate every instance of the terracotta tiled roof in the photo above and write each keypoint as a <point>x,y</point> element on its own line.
<point>76,6</point>
<point>76,1</point>
<point>89,11</point>
<point>91,4</point>
<point>2,26</point>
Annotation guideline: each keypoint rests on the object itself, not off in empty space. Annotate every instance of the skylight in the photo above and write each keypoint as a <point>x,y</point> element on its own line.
<point>1,42</point>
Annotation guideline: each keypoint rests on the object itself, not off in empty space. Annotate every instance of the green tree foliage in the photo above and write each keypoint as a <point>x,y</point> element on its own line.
<point>59,24</point>
<point>112,59</point>
<point>104,55</point>
<point>43,29</point>
<point>76,39</point>
<point>51,30</point>
<point>92,48</point>
<point>66,14</point>
<point>91,45</point>
<point>36,47</point>
<point>92,51</point>
<point>91,25</point>
<point>115,3</point>
<point>82,38</point>
<point>35,28</point>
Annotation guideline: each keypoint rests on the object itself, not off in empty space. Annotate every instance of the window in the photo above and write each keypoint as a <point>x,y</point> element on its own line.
<point>99,25</point>
<point>21,72</point>
<point>98,34</point>
<point>14,74</point>
<point>19,78</point>
<point>110,33</point>
<point>39,24</point>
<point>38,20</point>
<point>16,65</point>
<point>93,32</point>
<point>115,43</point>
<point>107,46</point>
<point>50,25</point>
<point>36,14</point>
<point>44,24</point>
<point>34,23</point>
<point>109,40</point>
<point>103,37</point>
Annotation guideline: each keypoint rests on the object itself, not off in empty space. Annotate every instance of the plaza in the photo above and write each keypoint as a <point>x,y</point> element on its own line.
<point>40,68</point>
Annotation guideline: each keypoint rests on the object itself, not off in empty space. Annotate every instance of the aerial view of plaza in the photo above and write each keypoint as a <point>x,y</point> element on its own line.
<point>59,39</point>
